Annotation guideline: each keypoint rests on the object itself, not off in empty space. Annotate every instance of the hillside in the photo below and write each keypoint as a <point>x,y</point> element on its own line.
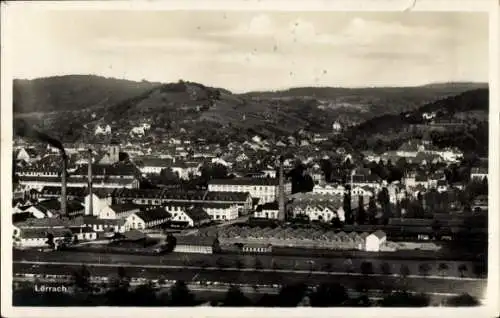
<point>73,92</point>
<point>69,107</point>
<point>460,120</point>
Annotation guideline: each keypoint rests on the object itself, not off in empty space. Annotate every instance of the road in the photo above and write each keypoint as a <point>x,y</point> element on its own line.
<point>475,287</point>
<point>246,261</point>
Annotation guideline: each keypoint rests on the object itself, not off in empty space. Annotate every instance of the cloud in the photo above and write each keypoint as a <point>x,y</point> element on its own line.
<point>184,45</point>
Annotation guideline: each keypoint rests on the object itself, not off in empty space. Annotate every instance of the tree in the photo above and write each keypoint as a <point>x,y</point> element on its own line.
<point>50,240</point>
<point>291,295</point>
<point>327,267</point>
<point>463,300</point>
<point>81,279</point>
<point>171,242</point>
<point>235,298</point>
<point>462,268</point>
<point>220,262</point>
<point>361,216</point>
<point>347,208</point>
<point>367,268</point>
<point>385,268</point>
<point>404,271</point>
<point>258,264</point>
<point>372,210</point>
<point>144,295</point>
<point>180,295</point>
<point>274,264</point>
<point>328,295</point>
<point>479,269</point>
<point>239,264</point>
<point>405,299</point>
<point>443,268</point>
<point>424,269</point>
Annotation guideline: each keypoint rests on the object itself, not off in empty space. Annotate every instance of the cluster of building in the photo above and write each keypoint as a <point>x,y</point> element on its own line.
<point>102,192</point>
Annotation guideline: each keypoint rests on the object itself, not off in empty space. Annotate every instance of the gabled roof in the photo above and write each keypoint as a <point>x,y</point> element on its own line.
<point>273,206</point>
<point>42,233</point>
<point>70,191</point>
<point>125,207</point>
<point>227,196</point>
<point>153,215</point>
<point>21,217</point>
<point>379,234</point>
<point>118,169</point>
<point>154,162</point>
<point>196,213</point>
<point>246,181</point>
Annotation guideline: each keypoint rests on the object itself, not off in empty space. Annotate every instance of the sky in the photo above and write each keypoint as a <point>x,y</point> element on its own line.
<point>246,51</point>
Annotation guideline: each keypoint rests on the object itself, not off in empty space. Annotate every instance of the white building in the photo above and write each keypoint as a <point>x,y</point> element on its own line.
<point>221,211</point>
<point>478,173</point>
<point>154,165</point>
<point>337,126</point>
<point>374,241</point>
<point>190,216</point>
<point>105,130</point>
<point>328,189</point>
<point>118,211</point>
<point>99,202</point>
<point>147,219</point>
<point>269,210</point>
<point>266,190</point>
<point>324,211</point>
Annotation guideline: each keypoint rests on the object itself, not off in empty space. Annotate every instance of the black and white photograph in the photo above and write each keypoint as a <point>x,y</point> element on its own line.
<point>248,158</point>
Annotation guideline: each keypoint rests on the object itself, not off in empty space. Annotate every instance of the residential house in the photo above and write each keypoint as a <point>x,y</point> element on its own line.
<point>220,210</point>
<point>268,210</point>
<point>374,241</point>
<point>479,173</point>
<point>84,234</point>
<point>319,211</point>
<point>186,170</point>
<point>192,216</point>
<point>104,130</point>
<point>51,208</point>
<point>38,237</point>
<point>99,225</point>
<point>28,155</point>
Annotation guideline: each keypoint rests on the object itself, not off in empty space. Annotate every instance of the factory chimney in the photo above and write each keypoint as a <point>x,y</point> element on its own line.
<point>281,191</point>
<point>64,175</point>
<point>90,209</point>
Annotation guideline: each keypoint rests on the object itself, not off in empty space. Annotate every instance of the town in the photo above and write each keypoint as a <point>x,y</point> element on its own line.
<point>291,205</point>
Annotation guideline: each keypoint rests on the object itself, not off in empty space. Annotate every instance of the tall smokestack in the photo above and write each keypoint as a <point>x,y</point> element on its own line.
<point>90,202</point>
<point>281,192</point>
<point>64,172</point>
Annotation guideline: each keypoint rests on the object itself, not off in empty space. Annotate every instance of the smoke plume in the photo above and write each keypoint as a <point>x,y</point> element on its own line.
<point>23,129</point>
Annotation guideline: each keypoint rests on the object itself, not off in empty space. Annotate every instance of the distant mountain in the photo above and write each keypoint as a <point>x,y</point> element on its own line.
<point>70,106</point>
